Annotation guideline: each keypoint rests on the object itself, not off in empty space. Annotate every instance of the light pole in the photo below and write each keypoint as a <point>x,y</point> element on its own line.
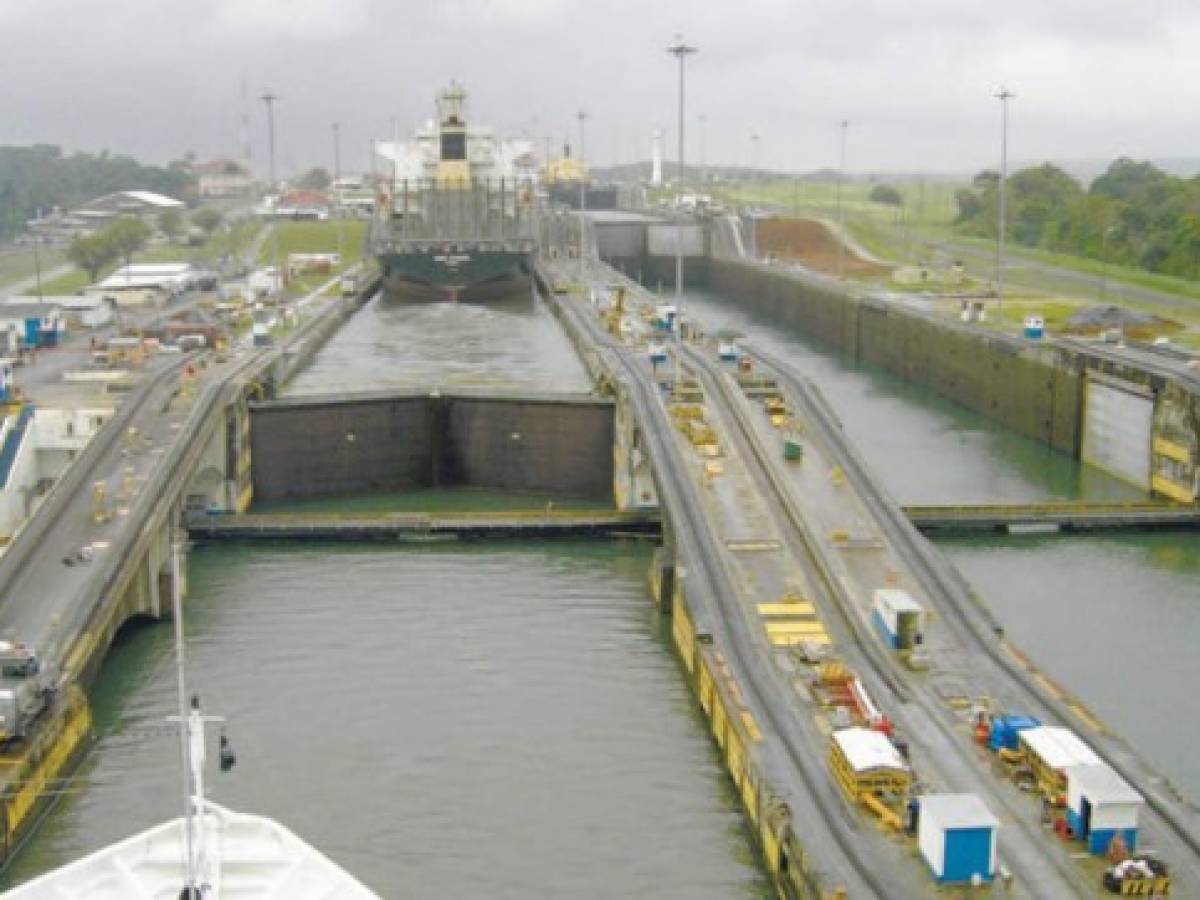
<point>844,126</point>
<point>337,174</point>
<point>1004,96</point>
<point>754,154</point>
<point>269,98</point>
<point>681,52</point>
<point>703,137</point>
<point>337,151</point>
<point>37,263</point>
<point>582,116</point>
<point>1104,253</point>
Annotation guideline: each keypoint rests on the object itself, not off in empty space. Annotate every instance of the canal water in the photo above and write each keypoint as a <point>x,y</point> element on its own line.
<point>1114,618</point>
<point>516,344</point>
<point>446,721</point>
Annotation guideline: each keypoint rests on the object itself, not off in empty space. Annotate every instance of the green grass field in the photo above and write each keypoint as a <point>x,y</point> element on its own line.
<point>315,237</point>
<point>19,265</point>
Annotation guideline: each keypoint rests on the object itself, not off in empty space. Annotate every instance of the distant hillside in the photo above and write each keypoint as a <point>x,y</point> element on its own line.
<point>40,178</point>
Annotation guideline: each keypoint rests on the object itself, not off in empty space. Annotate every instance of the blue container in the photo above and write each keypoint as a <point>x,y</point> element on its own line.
<point>1005,730</point>
<point>33,327</point>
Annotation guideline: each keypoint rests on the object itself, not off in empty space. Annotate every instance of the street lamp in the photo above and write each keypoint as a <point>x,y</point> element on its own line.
<point>754,154</point>
<point>337,174</point>
<point>269,99</point>
<point>1004,96</point>
<point>1104,254</point>
<point>582,116</point>
<point>844,125</point>
<point>681,52</point>
<point>337,151</point>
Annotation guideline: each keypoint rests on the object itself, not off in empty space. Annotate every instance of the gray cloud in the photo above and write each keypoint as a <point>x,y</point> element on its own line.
<point>1094,78</point>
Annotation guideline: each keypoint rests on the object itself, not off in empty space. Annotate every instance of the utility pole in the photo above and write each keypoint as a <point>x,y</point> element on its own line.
<point>337,174</point>
<point>754,153</point>
<point>582,116</point>
<point>703,136</point>
<point>681,52</point>
<point>269,98</point>
<point>844,125</point>
<point>1004,96</point>
<point>37,262</point>
<point>337,152</point>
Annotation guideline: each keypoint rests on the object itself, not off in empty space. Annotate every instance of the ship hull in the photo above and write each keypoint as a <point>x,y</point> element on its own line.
<point>467,275</point>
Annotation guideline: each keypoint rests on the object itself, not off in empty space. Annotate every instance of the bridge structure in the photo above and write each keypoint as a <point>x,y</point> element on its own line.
<point>1066,516</point>
<point>467,525</point>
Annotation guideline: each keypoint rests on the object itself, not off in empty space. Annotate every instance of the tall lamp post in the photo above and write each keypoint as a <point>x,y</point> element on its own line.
<point>843,126</point>
<point>337,174</point>
<point>681,52</point>
<point>582,116</point>
<point>1004,96</point>
<point>1108,233</point>
<point>269,98</point>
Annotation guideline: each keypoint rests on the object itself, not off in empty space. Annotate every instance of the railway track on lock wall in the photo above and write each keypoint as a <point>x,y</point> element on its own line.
<point>976,626</point>
<point>1039,871</point>
<point>854,868</point>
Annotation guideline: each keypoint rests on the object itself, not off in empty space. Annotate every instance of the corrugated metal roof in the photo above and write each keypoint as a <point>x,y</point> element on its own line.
<point>1100,784</point>
<point>957,811</point>
<point>154,199</point>
<point>866,749</point>
<point>1058,747</point>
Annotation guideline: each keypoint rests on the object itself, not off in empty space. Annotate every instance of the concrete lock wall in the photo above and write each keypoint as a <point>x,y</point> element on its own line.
<point>542,444</point>
<point>1031,389</point>
<point>668,239</point>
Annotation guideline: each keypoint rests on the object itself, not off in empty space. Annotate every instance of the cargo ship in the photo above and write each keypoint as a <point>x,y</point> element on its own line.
<point>567,182</point>
<point>456,219</point>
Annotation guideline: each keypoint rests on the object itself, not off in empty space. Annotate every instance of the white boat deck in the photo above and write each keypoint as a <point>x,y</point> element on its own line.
<point>253,857</point>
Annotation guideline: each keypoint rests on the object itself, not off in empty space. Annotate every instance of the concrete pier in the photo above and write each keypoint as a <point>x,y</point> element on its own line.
<point>764,549</point>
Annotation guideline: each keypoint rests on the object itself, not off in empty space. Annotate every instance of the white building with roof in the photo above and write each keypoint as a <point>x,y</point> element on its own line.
<point>141,204</point>
<point>1050,750</point>
<point>143,283</point>
<point>1101,806</point>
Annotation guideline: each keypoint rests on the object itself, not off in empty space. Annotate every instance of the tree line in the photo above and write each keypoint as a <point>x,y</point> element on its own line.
<point>40,177</point>
<point>1134,214</point>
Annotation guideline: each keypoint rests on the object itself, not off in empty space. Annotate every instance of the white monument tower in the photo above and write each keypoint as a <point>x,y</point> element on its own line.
<point>656,159</point>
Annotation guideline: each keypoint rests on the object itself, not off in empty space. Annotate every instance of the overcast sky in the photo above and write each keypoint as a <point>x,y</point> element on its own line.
<point>915,78</point>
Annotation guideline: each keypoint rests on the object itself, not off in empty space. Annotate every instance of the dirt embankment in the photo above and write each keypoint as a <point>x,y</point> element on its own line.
<point>811,243</point>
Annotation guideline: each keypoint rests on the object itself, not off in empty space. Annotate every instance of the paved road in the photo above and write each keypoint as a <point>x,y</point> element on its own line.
<point>1030,273</point>
<point>29,285</point>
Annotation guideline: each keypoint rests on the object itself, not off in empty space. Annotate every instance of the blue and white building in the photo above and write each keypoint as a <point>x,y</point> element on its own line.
<point>956,834</point>
<point>1101,805</point>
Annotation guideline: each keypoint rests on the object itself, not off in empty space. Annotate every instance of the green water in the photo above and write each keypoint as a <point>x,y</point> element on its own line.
<point>507,721</point>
